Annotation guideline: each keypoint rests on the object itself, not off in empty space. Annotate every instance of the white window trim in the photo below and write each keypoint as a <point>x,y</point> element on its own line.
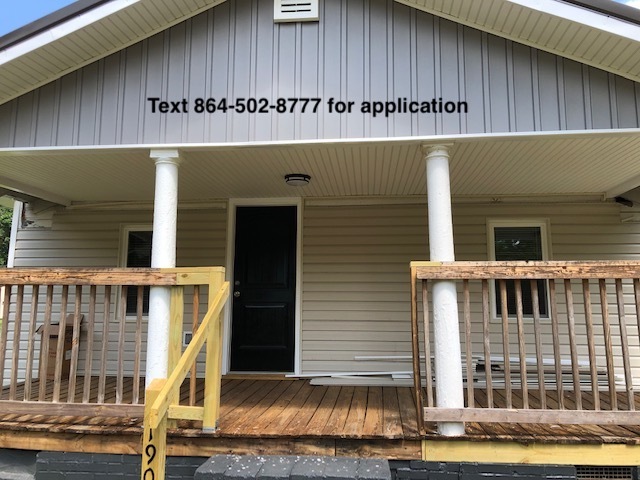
<point>123,251</point>
<point>545,237</point>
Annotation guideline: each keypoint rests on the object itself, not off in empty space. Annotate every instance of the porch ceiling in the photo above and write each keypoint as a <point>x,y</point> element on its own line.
<point>592,163</point>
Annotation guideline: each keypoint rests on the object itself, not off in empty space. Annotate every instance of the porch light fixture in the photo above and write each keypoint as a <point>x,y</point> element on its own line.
<point>297,179</point>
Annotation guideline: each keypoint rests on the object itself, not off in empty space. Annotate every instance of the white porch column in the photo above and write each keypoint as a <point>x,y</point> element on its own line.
<point>448,360</point>
<point>163,255</point>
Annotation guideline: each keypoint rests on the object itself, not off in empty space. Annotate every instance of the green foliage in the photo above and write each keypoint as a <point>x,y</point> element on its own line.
<point>5,234</point>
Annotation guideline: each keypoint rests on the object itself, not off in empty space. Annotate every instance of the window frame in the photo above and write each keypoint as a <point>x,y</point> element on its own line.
<point>124,253</point>
<point>545,240</point>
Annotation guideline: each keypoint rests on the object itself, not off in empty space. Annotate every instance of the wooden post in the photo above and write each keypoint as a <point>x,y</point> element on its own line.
<point>194,329</point>
<point>4,330</point>
<point>15,354</point>
<point>427,343</point>
<point>415,347</point>
<point>31,341</point>
<point>154,441</point>
<point>175,338</point>
<point>213,372</point>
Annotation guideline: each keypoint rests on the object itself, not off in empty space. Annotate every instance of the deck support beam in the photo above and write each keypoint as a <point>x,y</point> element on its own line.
<point>163,255</point>
<point>448,360</point>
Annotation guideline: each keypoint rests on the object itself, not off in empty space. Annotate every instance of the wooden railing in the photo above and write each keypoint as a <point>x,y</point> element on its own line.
<point>541,342</point>
<point>162,395</point>
<point>95,365</point>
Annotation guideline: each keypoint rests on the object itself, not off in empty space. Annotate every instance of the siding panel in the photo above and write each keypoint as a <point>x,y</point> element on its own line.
<point>92,239</point>
<point>355,268</point>
<point>375,51</point>
<point>356,277</point>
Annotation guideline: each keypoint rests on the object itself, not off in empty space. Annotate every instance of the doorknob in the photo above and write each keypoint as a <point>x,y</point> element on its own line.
<point>236,294</point>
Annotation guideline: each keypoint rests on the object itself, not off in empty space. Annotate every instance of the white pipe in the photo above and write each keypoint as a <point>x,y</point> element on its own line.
<point>448,359</point>
<point>163,255</point>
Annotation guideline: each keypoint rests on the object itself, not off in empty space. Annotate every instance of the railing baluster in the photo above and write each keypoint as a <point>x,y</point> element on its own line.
<point>538,341</point>
<point>505,343</point>
<point>415,349</point>
<point>88,362</point>
<point>567,349</point>
<point>557,358</point>
<point>636,294</point>
<point>17,327</point>
<point>193,380</point>
<point>427,344</point>
<point>606,326</point>
<point>105,343</point>
<point>467,343</point>
<point>486,333</point>
<point>624,341</point>
<point>33,318</point>
<point>521,346</point>
<point>75,346</point>
<point>593,367</point>
<point>571,321</point>
<point>138,352</point>
<point>121,332</point>
<point>62,333</point>
<point>44,345</point>
<point>3,333</point>
<point>176,314</point>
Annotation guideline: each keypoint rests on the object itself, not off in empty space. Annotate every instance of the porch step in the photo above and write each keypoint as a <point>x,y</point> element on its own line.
<point>17,464</point>
<point>274,467</point>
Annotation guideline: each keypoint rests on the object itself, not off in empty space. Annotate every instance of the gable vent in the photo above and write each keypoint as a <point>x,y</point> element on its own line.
<point>295,11</point>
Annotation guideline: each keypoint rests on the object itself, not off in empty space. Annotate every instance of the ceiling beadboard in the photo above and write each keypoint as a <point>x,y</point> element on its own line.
<point>583,164</point>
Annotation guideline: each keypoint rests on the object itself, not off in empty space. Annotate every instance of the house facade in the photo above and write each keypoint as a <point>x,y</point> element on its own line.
<point>535,111</point>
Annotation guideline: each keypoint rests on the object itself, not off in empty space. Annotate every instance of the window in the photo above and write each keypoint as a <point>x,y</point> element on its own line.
<point>136,252</point>
<point>518,241</point>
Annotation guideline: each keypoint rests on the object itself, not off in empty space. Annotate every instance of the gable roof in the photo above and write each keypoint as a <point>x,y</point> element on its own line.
<point>578,30</point>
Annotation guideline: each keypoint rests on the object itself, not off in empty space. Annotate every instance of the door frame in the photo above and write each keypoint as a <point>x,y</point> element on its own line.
<point>231,235</point>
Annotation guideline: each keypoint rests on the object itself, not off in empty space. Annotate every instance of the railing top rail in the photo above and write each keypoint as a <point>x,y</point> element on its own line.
<point>108,276</point>
<point>525,270</point>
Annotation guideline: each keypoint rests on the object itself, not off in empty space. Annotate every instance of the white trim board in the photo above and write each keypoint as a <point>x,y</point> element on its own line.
<point>231,229</point>
<point>13,238</point>
<point>415,140</point>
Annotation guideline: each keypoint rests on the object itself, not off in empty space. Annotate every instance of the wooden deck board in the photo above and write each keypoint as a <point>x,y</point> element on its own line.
<point>355,420</point>
<point>374,412</point>
<point>391,422</point>
<point>321,416</point>
<point>339,414</point>
<point>279,424</point>
<point>296,417</point>
<point>299,422</point>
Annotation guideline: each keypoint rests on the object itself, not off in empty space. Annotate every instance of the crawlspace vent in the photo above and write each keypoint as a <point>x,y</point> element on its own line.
<point>607,473</point>
<point>292,11</point>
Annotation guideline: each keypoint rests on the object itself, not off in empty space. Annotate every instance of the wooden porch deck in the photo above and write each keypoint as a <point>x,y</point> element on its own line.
<point>292,417</point>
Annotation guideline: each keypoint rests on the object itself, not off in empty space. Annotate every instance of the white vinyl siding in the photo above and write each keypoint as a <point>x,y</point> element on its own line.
<point>355,269</point>
<point>85,238</point>
<point>356,276</point>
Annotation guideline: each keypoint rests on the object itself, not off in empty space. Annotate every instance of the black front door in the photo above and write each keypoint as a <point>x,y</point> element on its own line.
<point>264,290</point>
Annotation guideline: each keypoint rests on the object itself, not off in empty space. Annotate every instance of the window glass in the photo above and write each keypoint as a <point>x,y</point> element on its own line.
<point>138,255</point>
<point>518,244</point>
